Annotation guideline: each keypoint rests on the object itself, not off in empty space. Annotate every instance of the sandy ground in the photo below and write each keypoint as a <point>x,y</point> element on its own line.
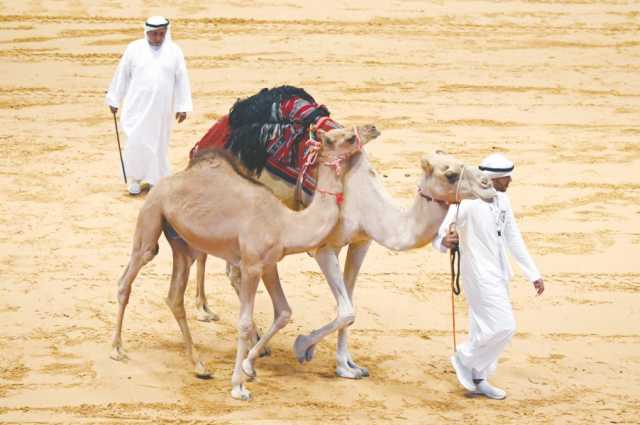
<point>553,84</point>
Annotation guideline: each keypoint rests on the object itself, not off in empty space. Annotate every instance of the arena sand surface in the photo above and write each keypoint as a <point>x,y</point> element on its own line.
<point>554,85</point>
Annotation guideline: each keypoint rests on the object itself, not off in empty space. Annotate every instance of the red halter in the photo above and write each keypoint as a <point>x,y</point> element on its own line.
<point>313,146</point>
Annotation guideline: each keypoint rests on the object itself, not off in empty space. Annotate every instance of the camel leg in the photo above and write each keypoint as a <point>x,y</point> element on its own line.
<point>203,313</point>
<point>248,287</point>
<point>304,345</point>
<point>183,258</point>
<point>281,316</point>
<point>345,366</point>
<point>145,247</point>
<point>234,275</point>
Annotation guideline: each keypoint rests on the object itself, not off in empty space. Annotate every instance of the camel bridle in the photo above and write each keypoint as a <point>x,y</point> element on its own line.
<point>457,198</point>
<point>313,147</point>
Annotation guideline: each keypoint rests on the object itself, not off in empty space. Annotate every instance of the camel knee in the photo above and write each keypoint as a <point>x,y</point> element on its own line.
<point>123,294</point>
<point>140,257</point>
<point>283,318</point>
<point>149,254</point>
<point>176,307</point>
<point>346,319</point>
<point>245,329</point>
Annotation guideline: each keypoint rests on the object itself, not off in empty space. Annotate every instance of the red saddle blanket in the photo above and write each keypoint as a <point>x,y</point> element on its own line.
<point>282,138</point>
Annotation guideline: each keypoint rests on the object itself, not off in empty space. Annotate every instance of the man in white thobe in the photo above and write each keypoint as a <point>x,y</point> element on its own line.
<point>484,232</point>
<point>152,82</point>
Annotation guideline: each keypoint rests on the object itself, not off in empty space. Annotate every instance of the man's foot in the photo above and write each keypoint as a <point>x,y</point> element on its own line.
<point>463,374</point>
<point>134,188</point>
<point>486,389</point>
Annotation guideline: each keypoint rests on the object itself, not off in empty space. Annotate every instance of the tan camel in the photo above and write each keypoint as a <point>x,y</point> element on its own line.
<point>369,213</point>
<point>211,208</point>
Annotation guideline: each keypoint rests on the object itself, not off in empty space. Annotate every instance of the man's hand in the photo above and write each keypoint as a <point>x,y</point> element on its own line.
<point>539,285</point>
<point>450,240</point>
<point>181,116</point>
<point>114,110</point>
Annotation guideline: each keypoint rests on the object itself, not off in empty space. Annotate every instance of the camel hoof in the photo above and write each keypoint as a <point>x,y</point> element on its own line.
<point>303,351</point>
<point>308,355</point>
<point>201,371</point>
<point>205,315</point>
<point>240,393</point>
<point>300,348</point>
<point>118,354</point>
<point>248,369</point>
<point>363,370</point>
<point>348,373</point>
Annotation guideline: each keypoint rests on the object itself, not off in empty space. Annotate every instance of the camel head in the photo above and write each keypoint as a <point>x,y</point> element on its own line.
<point>341,143</point>
<point>448,180</point>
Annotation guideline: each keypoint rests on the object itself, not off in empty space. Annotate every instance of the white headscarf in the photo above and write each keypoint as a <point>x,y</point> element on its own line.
<point>496,165</point>
<point>157,22</point>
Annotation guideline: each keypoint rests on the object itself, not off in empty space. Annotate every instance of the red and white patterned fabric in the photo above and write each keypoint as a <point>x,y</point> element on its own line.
<point>283,137</point>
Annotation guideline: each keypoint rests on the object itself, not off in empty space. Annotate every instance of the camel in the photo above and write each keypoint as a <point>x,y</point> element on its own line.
<point>211,207</point>
<point>369,213</point>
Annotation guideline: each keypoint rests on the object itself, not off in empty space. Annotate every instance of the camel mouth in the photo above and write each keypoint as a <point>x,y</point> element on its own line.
<point>368,133</point>
<point>486,194</point>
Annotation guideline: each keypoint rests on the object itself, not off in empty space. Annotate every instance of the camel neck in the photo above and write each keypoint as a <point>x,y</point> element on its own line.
<point>307,229</point>
<point>382,220</point>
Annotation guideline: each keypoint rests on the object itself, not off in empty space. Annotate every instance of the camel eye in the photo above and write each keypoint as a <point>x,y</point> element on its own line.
<point>351,140</point>
<point>451,176</point>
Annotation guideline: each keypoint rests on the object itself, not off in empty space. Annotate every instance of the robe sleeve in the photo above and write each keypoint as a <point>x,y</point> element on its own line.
<point>516,246</point>
<point>121,79</point>
<point>182,96</point>
<point>444,228</point>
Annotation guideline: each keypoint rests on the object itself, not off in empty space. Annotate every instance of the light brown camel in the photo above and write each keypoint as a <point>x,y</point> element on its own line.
<point>369,213</point>
<point>211,208</point>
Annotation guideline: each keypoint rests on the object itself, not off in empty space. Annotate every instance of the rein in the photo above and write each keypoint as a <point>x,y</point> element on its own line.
<point>339,195</point>
<point>430,198</point>
<point>454,253</point>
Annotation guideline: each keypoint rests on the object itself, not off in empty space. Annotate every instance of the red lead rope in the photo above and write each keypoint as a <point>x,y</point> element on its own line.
<point>339,195</point>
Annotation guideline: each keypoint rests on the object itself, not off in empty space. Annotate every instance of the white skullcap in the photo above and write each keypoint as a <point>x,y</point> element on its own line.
<point>155,22</point>
<point>496,165</point>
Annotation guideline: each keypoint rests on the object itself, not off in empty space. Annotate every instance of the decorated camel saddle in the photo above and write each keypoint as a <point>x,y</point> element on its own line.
<point>271,130</point>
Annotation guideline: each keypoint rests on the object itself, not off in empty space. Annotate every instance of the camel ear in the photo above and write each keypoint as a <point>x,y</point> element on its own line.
<point>441,152</point>
<point>426,166</point>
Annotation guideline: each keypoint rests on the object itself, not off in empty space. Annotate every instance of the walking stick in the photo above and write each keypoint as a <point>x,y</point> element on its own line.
<point>115,121</point>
